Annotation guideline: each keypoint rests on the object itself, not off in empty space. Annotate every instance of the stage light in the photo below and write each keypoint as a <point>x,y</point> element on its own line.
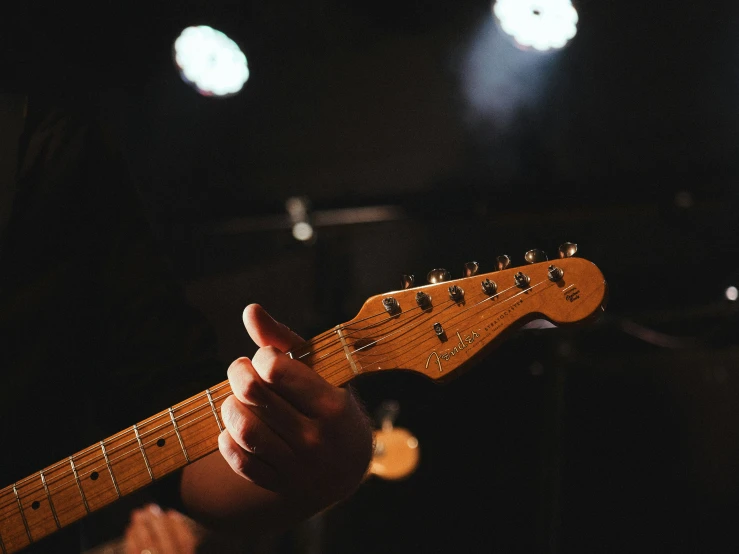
<point>302,231</point>
<point>732,293</point>
<point>210,61</point>
<point>298,208</point>
<point>539,24</point>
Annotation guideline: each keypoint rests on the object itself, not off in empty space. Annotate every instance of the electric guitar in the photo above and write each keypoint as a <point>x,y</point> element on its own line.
<point>439,330</point>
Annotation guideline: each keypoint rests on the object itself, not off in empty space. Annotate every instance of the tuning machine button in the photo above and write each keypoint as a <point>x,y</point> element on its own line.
<point>502,262</point>
<point>471,268</point>
<point>489,287</point>
<point>407,281</point>
<point>456,293</point>
<point>567,249</point>
<point>535,256</point>
<point>522,280</point>
<point>438,276</point>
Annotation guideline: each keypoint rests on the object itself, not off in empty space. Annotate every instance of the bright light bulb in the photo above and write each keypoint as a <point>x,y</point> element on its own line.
<point>732,293</point>
<point>210,61</point>
<point>539,24</point>
<point>303,231</point>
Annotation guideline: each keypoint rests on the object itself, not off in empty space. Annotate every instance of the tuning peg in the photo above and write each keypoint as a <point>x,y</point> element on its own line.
<point>502,262</point>
<point>567,249</point>
<point>407,281</point>
<point>438,276</point>
<point>535,256</point>
<point>471,268</point>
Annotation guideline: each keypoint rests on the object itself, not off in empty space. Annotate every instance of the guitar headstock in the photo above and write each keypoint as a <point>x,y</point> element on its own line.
<point>438,328</point>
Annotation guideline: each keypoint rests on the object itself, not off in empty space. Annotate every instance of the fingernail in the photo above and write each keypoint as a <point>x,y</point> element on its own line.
<point>155,509</point>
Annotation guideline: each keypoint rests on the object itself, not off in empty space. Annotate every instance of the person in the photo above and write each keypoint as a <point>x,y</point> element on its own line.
<point>96,334</point>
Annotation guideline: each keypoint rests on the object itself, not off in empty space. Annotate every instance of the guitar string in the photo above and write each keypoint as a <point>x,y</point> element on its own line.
<point>72,483</point>
<point>424,332</point>
<point>455,316</point>
<point>331,332</point>
<point>215,388</point>
<point>92,449</point>
<point>162,415</point>
<point>310,342</point>
<point>449,303</point>
<point>137,451</point>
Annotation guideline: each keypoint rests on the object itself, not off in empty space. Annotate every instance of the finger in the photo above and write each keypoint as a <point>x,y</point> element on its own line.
<point>246,464</point>
<point>250,389</point>
<point>252,434</point>
<point>165,534</point>
<point>189,537</point>
<point>138,534</point>
<point>298,384</point>
<point>264,330</point>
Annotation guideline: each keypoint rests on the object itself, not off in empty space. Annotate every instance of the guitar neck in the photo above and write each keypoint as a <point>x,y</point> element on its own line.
<point>86,481</point>
<point>435,330</point>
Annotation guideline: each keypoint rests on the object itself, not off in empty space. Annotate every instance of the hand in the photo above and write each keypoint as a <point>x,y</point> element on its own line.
<point>287,429</point>
<point>155,531</point>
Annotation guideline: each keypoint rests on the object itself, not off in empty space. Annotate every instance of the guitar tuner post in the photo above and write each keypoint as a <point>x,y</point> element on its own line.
<point>456,293</point>
<point>555,273</point>
<point>522,280</point>
<point>391,305</point>
<point>489,287</point>
<point>423,300</point>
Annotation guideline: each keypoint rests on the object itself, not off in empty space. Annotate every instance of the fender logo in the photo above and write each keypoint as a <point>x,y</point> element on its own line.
<point>572,295</point>
<point>446,356</point>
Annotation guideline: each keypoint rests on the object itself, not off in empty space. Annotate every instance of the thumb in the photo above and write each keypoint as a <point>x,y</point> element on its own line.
<point>265,331</point>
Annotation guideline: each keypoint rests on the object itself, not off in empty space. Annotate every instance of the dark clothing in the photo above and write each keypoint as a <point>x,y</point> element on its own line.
<point>95,334</point>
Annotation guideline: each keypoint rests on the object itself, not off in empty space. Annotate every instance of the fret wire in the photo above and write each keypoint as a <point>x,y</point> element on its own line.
<point>131,451</point>
<point>218,387</point>
<point>51,503</point>
<point>110,469</point>
<point>23,516</point>
<point>213,407</point>
<point>79,485</point>
<point>177,430</point>
<point>118,435</point>
<point>143,452</point>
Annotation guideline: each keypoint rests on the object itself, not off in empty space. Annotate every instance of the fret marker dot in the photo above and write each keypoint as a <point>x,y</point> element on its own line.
<point>35,505</point>
<point>94,475</point>
<point>160,443</point>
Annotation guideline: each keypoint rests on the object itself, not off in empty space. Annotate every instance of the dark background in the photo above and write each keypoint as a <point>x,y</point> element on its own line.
<point>618,437</point>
